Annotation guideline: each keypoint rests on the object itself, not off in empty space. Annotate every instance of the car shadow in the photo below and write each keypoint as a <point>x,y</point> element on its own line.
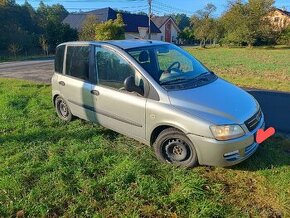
<point>276,108</point>
<point>273,153</point>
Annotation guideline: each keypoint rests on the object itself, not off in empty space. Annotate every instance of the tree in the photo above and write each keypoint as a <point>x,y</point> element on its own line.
<point>54,13</point>
<point>284,38</point>
<point>247,23</point>
<point>16,26</point>
<point>57,33</point>
<point>44,44</point>
<point>14,49</point>
<point>50,20</point>
<point>88,30</point>
<point>182,21</point>
<point>186,36</point>
<point>204,24</point>
<point>111,29</point>
<point>7,3</point>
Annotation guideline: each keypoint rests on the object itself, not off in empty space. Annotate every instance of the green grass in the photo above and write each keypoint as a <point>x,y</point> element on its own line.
<point>49,169</point>
<point>265,68</point>
<point>25,58</point>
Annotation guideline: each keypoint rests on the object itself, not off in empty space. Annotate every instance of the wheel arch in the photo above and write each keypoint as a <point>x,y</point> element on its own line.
<point>158,129</point>
<point>54,97</point>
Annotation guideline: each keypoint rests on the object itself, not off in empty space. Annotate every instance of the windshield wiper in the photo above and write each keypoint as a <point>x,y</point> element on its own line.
<point>202,74</point>
<point>181,79</point>
<point>173,81</point>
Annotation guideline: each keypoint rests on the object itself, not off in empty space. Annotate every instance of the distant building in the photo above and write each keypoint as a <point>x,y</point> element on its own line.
<point>280,19</point>
<point>136,26</point>
<point>168,27</point>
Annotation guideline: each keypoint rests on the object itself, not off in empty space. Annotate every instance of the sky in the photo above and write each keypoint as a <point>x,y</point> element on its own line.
<point>159,7</point>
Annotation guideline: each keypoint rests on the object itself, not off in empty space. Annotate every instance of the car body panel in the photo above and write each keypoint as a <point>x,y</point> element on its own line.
<point>211,151</point>
<point>120,110</point>
<point>220,102</point>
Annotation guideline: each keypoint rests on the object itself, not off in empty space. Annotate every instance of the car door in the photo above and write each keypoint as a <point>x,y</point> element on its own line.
<point>116,108</point>
<point>75,85</point>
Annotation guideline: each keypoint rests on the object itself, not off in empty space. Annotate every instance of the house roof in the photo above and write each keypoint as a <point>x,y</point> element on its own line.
<point>159,21</point>
<point>131,21</point>
<point>75,20</point>
<point>287,13</point>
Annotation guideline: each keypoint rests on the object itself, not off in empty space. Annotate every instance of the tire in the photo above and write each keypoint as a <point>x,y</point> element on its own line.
<point>173,147</point>
<point>62,109</point>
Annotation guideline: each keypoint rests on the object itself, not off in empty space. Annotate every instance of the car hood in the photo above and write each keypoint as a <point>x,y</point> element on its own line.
<point>219,103</point>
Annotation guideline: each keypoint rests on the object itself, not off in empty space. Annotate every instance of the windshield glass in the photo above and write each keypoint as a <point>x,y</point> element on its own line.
<point>168,64</point>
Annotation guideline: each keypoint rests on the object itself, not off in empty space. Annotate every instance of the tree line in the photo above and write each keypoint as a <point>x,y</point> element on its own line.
<point>242,24</point>
<point>25,30</point>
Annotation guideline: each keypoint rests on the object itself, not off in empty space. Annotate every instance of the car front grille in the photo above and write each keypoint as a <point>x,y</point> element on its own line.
<point>253,122</point>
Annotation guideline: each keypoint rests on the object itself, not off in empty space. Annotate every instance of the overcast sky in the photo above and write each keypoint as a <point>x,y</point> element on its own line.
<point>160,7</point>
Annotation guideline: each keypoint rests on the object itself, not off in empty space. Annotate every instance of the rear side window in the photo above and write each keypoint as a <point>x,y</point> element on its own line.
<point>58,63</point>
<point>77,62</point>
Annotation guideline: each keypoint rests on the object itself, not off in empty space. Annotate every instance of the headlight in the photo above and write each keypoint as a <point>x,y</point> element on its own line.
<point>227,132</point>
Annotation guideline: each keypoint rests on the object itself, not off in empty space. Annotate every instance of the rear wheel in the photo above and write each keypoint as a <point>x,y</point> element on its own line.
<point>172,146</point>
<point>62,109</point>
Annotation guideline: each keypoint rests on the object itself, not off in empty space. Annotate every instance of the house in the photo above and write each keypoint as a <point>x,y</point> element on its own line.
<point>280,19</point>
<point>168,27</point>
<point>136,26</point>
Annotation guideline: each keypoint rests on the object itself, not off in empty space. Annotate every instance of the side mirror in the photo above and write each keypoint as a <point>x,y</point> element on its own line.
<point>130,86</point>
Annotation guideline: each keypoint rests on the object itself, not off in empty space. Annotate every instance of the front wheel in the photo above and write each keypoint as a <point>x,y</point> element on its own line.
<point>172,146</point>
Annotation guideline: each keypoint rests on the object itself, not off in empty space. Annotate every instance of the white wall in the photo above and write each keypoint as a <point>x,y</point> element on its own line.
<point>162,29</point>
<point>174,33</point>
<point>156,36</point>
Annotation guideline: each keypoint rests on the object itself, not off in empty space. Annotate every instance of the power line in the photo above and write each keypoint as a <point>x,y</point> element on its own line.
<point>170,8</point>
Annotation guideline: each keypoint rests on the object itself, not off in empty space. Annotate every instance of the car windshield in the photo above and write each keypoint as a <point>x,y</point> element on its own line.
<point>168,64</point>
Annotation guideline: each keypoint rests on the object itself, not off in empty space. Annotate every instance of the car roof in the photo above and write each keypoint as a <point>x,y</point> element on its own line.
<point>123,44</point>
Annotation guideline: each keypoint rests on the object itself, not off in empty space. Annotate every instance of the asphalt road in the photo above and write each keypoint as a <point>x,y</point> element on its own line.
<point>276,108</point>
<point>275,105</point>
<point>40,71</point>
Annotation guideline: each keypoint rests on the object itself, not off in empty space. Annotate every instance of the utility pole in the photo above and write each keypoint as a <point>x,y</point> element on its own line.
<point>149,16</point>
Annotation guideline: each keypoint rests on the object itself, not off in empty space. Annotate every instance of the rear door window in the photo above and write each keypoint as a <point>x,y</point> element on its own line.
<point>58,62</point>
<point>77,62</point>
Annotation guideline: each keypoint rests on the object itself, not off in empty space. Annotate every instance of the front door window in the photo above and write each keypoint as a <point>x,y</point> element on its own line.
<point>112,70</point>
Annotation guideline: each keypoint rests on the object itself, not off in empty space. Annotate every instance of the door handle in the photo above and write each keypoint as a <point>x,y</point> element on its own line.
<point>95,92</point>
<point>61,83</point>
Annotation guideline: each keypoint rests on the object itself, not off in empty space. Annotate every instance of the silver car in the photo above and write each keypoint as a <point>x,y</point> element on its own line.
<point>160,95</point>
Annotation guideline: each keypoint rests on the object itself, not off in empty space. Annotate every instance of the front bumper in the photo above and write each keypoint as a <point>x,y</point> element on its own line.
<point>225,153</point>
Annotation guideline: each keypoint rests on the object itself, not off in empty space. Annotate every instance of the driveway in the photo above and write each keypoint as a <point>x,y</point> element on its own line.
<point>40,71</point>
<point>275,105</point>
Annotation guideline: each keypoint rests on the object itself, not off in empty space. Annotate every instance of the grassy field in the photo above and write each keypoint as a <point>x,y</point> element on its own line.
<point>25,58</point>
<point>265,68</point>
<point>50,169</point>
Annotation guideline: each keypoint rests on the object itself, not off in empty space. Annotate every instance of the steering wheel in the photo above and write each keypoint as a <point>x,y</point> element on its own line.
<point>172,66</point>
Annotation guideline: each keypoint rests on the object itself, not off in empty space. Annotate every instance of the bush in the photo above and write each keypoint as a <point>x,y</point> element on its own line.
<point>284,38</point>
<point>110,30</point>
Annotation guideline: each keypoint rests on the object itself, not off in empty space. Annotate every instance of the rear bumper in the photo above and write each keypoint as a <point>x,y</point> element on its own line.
<point>225,153</point>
